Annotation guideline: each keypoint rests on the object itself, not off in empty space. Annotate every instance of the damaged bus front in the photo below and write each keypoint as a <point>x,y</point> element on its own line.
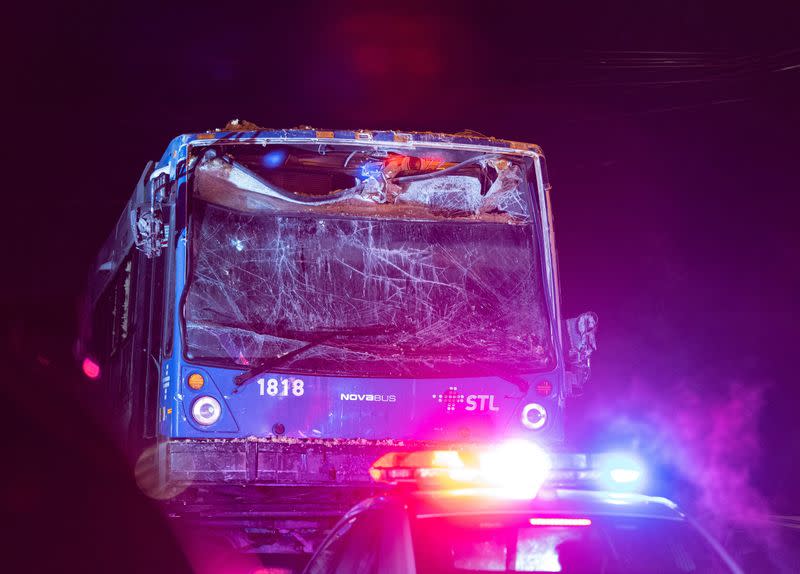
<point>327,292</point>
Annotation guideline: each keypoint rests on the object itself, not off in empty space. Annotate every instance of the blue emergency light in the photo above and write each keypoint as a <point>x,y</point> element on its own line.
<point>621,471</point>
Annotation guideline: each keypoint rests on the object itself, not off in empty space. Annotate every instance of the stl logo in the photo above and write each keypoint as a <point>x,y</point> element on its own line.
<point>450,398</point>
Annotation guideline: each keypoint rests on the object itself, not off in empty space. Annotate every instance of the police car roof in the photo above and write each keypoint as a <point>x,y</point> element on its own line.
<point>549,501</point>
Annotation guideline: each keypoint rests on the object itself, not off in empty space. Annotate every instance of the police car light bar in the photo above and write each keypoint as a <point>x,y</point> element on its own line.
<point>514,469</point>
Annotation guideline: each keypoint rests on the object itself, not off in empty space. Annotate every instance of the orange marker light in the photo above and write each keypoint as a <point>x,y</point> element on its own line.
<point>196,381</point>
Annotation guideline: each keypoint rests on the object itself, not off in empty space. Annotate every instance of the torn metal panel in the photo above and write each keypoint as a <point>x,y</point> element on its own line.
<point>366,187</point>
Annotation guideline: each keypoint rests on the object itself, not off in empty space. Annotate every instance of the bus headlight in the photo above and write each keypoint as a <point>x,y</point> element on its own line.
<point>206,410</point>
<point>534,416</point>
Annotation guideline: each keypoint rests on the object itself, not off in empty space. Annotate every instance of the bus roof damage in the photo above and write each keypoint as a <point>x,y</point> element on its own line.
<point>378,191</point>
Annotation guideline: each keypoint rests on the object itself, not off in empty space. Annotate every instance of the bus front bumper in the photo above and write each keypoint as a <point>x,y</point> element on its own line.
<point>271,462</point>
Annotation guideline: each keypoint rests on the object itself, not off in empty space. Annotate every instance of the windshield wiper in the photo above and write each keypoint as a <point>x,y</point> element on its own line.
<point>318,338</point>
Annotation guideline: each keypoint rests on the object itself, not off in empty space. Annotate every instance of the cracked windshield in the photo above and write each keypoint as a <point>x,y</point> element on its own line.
<point>365,261</point>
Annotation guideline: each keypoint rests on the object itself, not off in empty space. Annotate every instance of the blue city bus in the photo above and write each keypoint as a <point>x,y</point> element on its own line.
<point>276,306</point>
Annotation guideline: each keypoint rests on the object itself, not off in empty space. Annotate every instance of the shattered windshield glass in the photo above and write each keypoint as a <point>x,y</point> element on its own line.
<point>415,264</point>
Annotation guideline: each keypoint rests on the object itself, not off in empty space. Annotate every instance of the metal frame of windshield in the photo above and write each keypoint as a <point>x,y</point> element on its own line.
<point>553,293</point>
<point>541,221</point>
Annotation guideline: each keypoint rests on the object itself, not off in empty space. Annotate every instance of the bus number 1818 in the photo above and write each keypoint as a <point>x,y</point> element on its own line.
<point>273,388</point>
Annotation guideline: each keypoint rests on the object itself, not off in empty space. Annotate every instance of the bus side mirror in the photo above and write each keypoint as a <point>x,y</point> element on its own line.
<point>580,335</point>
<point>150,233</point>
<point>147,227</point>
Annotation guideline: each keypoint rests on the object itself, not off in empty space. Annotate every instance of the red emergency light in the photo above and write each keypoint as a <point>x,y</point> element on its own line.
<point>90,368</point>
<point>553,521</point>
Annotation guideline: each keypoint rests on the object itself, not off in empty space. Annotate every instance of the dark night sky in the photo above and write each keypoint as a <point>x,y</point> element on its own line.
<point>671,135</point>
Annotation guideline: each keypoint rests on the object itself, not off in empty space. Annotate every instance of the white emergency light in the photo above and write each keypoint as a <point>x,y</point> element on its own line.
<point>514,469</point>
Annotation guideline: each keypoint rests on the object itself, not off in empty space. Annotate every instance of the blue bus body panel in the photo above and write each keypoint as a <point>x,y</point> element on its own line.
<point>436,409</point>
<point>481,408</point>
